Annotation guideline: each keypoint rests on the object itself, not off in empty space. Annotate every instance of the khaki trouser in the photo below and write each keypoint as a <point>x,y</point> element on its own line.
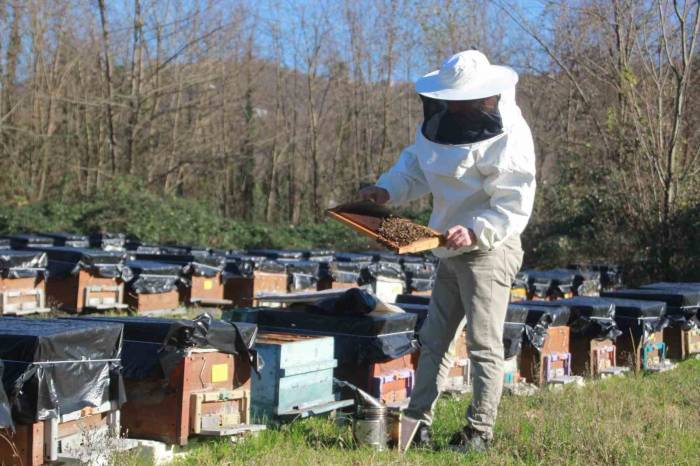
<point>475,286</point>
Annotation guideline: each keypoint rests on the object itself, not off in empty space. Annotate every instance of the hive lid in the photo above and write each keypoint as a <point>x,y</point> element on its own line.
<point>673,297</point>
<point>635,308</point>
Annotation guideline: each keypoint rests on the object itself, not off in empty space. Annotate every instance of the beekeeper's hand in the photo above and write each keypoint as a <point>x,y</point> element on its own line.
<point>459,237</point>
<point>375,194</point>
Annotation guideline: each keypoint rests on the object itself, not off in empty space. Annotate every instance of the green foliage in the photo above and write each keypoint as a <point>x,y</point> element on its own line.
<point>648,419</point>
<point>128,207</point>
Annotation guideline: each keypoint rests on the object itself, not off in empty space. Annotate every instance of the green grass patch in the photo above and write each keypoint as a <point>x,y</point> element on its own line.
<point>646,419</point>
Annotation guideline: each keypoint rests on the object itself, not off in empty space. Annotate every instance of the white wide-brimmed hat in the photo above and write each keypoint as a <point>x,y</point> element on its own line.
<point>467,75</point>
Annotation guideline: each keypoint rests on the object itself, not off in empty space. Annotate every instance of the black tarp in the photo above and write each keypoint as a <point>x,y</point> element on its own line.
<point>316,255</point>
<point>151,277</point>
<point>108,241</point>
<point>517,313</point>
<point>192,264</point>
<point>347,272</point>
<point>22,241</point>
<point>676,298</point>
<point>412,299</point>
<point>72,240</point>
<point>244,265</point>
<point>154,346</point>
<point>543,283</point>
<point>513,337</point>
<point>64,261</point>
<point>5,409</point>
<point>521,279</point>
<point>540,316</point>
<point>640,328</point>
<point>420,310</point>
<point>630,304</point>
<point>352,302</point>
<point>590,317</point>
<point>682,301</point>
<point>58,366</point>
<point>586,282</point>
<point>179,250</point>
<point>358,339</point>
<point>383,256</point>
<point>545,312</point>
<point>22,264</point>
<point>413,259</point>
<point>372,272</point>
<point>277,253</point>
<point>420,276</point>
<point>353,257</point>
<point>302,274</point>
<point>611,275</point>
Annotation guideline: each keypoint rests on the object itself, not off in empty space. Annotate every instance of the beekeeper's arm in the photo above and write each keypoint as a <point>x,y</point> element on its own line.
<point>510,185</point>
<point>405,181</point>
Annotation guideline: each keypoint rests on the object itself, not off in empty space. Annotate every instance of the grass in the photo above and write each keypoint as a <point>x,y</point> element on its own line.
<point>645,419</point>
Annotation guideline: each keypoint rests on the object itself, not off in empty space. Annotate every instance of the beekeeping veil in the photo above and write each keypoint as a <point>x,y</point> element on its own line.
<point>455,106</point>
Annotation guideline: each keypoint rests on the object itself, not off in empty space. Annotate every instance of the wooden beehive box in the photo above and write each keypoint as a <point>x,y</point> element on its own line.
<point>297,378</point>
<point>242,291</point>
<point>533,362</point>
<point>366,217</point>
<point>173,409</point>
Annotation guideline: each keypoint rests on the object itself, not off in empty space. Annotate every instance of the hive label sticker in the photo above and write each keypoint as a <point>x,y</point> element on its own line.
<point>208,284</point>
<point>219,373</point>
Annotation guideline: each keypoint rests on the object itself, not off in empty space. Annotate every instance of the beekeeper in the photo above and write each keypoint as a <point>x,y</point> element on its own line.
<point>474,153</point>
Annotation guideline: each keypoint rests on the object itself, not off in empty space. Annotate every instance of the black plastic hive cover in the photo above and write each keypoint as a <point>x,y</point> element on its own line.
<point>353,257</point>
<point>65,261</point>
<point>366,338</point>
<point>636,308</point>
<point>590,316</point>
<point>348,267</point>
<point>640,327</point>
<point>353,302</point>
<point>547,313</point>
<point>5,409</point>
<point>277,253</point>
<point>197,265</point>
<point>556,277</point>
<point>153,345</point>
<point>377,270</point>
<point>513,336</point>
<point>184,259</point>
<point>421,270</point>
<point>24,259</point>
<point>412,299</point>
<point>75,240</point>
<point>687,293</point>
<point>517,313</point>
<point>58,366</point>
<point>84,255</point>
<point>672,297</point>
<point>26,240</point>
<point>150,277</point>
<point>420,310</point>
<point>383,256</point>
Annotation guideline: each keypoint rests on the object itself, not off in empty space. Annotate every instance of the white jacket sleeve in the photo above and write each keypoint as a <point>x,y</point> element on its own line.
<point>405,181</point>
<point>510,185</point>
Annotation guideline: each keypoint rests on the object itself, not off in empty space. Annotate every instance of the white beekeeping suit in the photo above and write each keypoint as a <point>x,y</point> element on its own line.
<point>488,186</point>
<point>474,153</point>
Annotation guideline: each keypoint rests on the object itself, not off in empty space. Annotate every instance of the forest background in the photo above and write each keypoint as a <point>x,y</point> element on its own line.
<point>236,123</point>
